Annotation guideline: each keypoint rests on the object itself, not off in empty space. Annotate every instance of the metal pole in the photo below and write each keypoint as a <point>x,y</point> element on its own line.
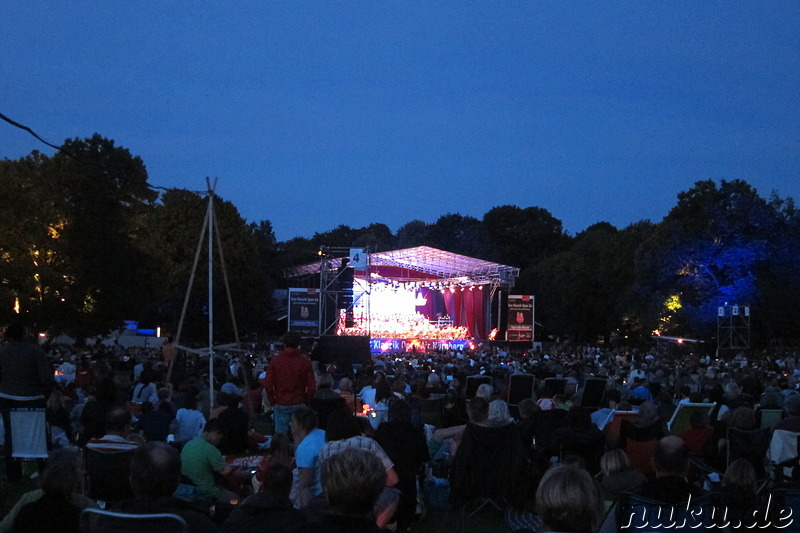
<point>211,292</point>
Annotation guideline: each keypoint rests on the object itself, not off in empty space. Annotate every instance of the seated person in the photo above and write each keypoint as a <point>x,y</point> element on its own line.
<point>57,504</point>
<point>202,462</point>
<point>671,462</point>
<point>353,480</point>
<point>155,475</point>
<point>618,476</point>
<point>309,441</point>
<point>325,400</point>
<point>118,436</point>
<point>268,510</point>
<point>569,500</point>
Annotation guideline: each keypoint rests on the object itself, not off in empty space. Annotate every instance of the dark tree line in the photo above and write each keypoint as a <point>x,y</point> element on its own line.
<point>86,242</point>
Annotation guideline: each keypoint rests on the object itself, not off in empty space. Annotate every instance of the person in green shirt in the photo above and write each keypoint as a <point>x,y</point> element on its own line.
<point>201,460</point>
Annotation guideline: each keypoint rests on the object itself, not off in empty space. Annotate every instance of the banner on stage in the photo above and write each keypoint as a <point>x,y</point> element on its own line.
<point>304,311</point>
<point>520,318</point>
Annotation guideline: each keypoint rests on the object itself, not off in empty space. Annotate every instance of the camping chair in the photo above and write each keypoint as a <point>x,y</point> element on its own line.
<point>612,428</point>
<point>788,499</point>
<point>99,521</point>
<point>488,470</point>
<point>783,453</point>
<point>750,445</point>
<point>640,445</point>
<point>432,411</point>
<point>107,473</point>
<point>637,513</point>
<point>770,417</point>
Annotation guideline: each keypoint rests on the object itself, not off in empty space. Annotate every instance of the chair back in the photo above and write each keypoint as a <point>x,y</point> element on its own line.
<point>433,411</point>
<point>612,428</point>
<point>520,387</point>
<point>782,447</point>
<point>490,462</point>
<point>637,513</point>
<point>100,521</point>
<point>640,445</point>
<point>786,500</point>
<point>108,473</point>
<point>593,391</point>
<point>750,445</point>
<point>770,417</point>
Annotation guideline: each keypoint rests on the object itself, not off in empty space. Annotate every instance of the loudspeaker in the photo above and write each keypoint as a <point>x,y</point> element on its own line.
<point>520,387</point>
<point>344,352</point>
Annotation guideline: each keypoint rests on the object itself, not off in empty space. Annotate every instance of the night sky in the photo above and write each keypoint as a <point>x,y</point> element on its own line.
<point>315,114</point>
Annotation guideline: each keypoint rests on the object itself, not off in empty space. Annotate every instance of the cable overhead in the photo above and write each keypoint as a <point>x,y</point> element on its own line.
<point>71,155</point>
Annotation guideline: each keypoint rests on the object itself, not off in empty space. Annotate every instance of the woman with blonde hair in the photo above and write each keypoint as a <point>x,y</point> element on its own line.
<point>618,476</point>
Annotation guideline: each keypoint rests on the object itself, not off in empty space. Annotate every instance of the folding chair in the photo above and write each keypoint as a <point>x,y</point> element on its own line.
<point>99,521</point>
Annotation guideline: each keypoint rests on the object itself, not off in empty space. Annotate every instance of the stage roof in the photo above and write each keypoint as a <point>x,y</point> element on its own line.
<point>439,265</point>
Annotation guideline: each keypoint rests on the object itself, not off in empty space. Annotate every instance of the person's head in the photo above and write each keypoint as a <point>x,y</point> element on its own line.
<point>341,424</point>
<point>569,500</point>
<point>498,412</point>
<point>741,475</point>
<point>118,421</point>
<point>527,408</point>
<point>671,457</point>
<point>190,399</point>
<point>399,411</point>
<point>15,331</point>
<point>214,431</point>
<point>742,418</point>
<point>484,391</point>
<point>325,381</point>
<point>155,470</point>
<point>346,385</point>
<point>648,412</point>
<point>614,461</point>
<point>353,479</point>
<point>63,472</point>
<point>434,381</point>
<point>291,339</point>
<point>792,404</point>
<point>303,422</point>
<point>478,410</point>
<point>147,407</point>
<point>278,481</point>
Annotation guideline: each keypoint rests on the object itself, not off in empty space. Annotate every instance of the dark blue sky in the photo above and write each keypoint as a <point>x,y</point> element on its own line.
<point>315,114</point>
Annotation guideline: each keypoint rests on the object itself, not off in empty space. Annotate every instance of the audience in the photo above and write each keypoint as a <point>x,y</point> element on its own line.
<point>353,479</point>
<point>57,503</point>
<point>270,509</point>
<point>155,475</point>
<point>568,500</point>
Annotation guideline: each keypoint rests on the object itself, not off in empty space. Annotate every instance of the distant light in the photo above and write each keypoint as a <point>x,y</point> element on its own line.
<point>680,341</point>
<point>42,335</point>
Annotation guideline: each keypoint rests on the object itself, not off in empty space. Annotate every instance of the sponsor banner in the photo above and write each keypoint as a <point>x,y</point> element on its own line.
<point>304,311</point>
<point>422,345</point>
<point>520,318</point>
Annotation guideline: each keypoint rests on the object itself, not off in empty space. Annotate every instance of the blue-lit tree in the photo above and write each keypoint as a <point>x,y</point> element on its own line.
<point>710,249</point>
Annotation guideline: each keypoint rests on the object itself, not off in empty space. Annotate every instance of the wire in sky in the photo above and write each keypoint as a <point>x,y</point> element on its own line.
<point>66,152</point>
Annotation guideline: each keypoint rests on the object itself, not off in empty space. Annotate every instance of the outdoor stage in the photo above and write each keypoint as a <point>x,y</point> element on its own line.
<point>402,300</point>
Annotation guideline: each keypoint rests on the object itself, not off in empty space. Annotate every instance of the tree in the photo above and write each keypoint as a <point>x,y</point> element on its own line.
<point>706,252</point>
<point>522,237</point>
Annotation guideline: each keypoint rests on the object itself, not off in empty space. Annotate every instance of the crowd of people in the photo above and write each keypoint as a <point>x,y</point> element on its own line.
<point>359,448</point>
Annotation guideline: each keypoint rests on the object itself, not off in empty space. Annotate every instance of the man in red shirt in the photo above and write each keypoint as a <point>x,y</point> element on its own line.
<point>290,382</point>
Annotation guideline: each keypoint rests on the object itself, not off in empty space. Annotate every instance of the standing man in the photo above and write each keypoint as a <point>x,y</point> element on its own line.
<point>25,379</point>
<point>290,381</point>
